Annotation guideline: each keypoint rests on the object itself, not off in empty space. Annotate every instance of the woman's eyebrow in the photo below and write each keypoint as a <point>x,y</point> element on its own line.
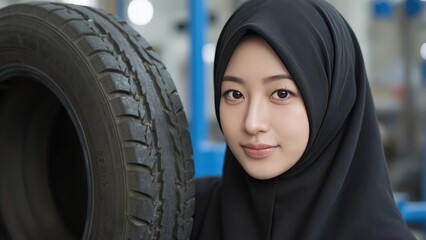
<point>265,80</point>
<point>232,79</point>
<point>276,77</point>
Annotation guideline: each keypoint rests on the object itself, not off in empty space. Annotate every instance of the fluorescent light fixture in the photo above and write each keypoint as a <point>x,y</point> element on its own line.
<point>208,52</point>
<point>423,51</point>
<point>92,3</point>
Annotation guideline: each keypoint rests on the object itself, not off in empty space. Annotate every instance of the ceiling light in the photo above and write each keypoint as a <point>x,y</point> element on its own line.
<point>140,12</point>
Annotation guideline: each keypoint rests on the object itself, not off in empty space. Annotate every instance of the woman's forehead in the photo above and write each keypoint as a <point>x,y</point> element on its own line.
<point>254,56</point>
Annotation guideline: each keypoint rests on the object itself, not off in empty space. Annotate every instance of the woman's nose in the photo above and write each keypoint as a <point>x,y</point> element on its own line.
<point>256,119</point>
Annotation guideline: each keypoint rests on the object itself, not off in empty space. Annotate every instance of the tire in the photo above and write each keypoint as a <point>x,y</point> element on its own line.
<point>94,141</point>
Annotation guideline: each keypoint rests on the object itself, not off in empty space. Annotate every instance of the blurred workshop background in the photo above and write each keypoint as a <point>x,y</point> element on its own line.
<point>392,34</point>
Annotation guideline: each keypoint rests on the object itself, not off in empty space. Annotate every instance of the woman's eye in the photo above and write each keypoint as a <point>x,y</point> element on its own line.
<point>233,95</point>
<point>281,94</point>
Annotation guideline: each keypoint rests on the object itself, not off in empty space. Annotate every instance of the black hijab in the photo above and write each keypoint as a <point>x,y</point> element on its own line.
<point>339,189</point>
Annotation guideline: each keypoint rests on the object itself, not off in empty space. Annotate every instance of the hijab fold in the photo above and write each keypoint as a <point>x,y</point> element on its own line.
<point>339,189</point>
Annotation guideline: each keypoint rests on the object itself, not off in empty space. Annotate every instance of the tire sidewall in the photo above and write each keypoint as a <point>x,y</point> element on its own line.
<point>37,48</point>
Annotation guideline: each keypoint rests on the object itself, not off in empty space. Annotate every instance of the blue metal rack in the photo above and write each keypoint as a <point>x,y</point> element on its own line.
<point>208,156</point>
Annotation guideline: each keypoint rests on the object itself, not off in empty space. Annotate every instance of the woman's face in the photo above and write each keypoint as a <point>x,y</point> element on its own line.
<point>262,113</point>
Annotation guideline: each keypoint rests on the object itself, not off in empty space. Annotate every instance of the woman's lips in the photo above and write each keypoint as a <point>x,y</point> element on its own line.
<point>258,151</point>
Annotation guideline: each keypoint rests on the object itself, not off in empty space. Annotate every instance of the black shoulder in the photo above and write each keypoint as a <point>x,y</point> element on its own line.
<point>204,188</point>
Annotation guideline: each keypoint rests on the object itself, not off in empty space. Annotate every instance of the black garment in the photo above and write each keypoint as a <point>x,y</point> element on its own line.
<point>339,189</point>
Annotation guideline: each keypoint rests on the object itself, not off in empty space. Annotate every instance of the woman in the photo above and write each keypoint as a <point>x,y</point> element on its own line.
<point>304,158</point>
